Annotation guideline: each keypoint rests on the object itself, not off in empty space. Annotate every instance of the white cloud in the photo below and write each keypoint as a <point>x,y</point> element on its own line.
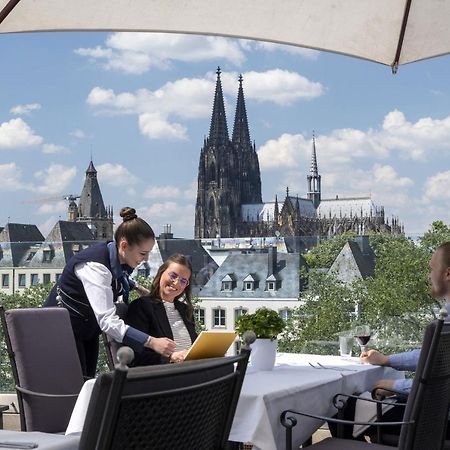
<point>181,217</point>
<point>344,146</point>
<point>25,109</point>
<point>46,227</point>
<point>437,187</point>
<point>282,87</point>
<point>115,175</point>
<point>17,134</point>
<point>54,148</point>
<point>10,175</point>
<point>155,127</point>
<point>55,178</point>
<point>284,152</point>
<point>136,53</point>
<point>54,207</point>
<point>79,134</point>
<point>162,192</point>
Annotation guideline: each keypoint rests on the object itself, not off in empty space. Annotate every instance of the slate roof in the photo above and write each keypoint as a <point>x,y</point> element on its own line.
<point>17,241</point>
<point>364,261</point>
<point>345,207</point>
<point>91,200</point>
<point>258,265</point>
<point>65,239</point>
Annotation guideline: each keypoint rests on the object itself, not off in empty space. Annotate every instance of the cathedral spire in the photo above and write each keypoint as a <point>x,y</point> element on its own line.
<point>218,132</point>
<point>314,179</point>
<point>241,134</point>
<point>313,168</point>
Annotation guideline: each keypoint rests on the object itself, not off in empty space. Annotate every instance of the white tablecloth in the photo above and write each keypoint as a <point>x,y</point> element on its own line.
<point>294,384</point>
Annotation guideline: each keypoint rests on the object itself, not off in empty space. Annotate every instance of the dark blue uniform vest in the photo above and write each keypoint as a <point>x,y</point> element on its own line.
<point>73,295</point>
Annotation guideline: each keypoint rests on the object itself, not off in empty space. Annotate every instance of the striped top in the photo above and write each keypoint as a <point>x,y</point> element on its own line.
<point>180,333</point>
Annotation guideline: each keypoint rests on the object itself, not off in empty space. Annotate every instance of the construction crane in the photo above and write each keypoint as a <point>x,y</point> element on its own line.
<point>68,197</point>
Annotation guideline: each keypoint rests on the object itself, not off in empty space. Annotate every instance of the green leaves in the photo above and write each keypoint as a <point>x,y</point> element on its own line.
<point>266,323</point>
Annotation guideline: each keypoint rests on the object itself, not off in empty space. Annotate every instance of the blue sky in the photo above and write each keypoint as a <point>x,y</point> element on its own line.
<point>141,103</point>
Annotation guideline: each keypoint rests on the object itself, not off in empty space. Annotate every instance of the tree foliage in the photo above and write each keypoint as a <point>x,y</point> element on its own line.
<point>396,302</point>
<point>436,235</point>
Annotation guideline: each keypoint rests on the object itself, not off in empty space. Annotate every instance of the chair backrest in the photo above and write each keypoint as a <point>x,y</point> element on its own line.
<point>429,400</point>
<point>189,405</point>
<point>44,360</point>
<point>111,345</point>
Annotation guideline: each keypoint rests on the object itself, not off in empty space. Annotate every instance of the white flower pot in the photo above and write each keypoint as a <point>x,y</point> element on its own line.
<point>263,354</point>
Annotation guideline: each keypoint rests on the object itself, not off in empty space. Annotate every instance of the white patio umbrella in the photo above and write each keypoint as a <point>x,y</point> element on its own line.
<point>390,32</point>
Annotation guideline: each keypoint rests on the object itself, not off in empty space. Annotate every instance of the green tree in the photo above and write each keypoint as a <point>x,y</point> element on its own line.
<point>396,303</point>
<point>437,235</point>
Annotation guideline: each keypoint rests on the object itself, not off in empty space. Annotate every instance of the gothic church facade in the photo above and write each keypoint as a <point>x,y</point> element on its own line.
<point>229,202</point>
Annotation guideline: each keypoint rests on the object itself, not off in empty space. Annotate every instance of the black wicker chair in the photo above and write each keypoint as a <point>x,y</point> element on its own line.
<point>111,345</point>
<point>187,406</point>
<point>425,419</point>
<point>45,365</point>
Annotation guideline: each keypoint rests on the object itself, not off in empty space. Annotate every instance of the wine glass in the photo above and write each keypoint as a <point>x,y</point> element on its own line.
<point>362,336</point>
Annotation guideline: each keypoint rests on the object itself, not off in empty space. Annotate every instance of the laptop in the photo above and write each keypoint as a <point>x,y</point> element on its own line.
<point>211,344</point>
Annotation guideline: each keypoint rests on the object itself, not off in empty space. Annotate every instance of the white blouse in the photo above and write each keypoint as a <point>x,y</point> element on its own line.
<point>180,333</point>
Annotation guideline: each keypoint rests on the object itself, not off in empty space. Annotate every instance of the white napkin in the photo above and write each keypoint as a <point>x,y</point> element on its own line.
<point>367,412</point>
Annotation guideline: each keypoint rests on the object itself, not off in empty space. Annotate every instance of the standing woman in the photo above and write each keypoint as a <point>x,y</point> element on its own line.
<point>92,281</point>
<point>163,314</point>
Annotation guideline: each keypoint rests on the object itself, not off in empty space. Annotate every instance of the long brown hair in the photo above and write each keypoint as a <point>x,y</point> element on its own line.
<point>177,258</point>
<point>133,229</point>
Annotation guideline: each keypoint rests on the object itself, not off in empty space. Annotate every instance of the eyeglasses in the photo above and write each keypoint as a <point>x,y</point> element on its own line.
<point>184,282</point>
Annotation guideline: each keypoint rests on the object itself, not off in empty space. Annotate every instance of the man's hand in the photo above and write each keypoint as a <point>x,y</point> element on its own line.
<point>381,385</point>
<point>374,357</point>
<point>164,346</point>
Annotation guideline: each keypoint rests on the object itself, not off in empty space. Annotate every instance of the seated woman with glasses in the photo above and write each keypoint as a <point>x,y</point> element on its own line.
<point>163,314</point>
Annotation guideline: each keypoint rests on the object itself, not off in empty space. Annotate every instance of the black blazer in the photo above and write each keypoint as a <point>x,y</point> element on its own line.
<point>149,315</point>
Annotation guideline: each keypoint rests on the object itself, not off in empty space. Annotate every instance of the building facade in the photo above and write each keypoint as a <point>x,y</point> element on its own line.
<point>229,202</point>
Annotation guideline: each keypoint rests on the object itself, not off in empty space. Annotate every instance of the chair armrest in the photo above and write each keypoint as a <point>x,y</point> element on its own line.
<point>290,422</point>
<point>42,394</point>
<point>338,403</point>
<point>393,391</point>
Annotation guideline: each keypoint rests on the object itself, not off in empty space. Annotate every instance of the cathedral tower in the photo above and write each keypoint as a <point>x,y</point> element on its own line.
<point>250,178</point>
<point>217,209</point>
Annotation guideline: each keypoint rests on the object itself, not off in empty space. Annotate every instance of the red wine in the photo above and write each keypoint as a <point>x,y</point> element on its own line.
<point>363,339</point>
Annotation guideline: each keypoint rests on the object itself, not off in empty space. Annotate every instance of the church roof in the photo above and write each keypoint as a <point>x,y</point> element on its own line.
<point>306,206</point>
<point>258,212</point>
<point>346,207</point>
<point>91,200</point>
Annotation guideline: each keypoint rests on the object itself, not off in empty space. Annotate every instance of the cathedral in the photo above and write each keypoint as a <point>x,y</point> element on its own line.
<point>229,202</point>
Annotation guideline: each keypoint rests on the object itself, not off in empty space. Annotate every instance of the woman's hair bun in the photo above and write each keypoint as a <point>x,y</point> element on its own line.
<point>128,213</point>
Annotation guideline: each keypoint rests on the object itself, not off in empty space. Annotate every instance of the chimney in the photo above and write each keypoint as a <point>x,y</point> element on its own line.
<point>272,261</point>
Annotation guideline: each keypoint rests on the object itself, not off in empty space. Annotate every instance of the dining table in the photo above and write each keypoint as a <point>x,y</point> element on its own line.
<point>302,382</point>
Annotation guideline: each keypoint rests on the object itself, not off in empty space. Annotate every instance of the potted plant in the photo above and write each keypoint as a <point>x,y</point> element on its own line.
<point>267,325</point>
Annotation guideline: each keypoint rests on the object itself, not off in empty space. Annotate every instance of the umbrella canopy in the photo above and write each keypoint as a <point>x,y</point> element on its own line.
<point>390,32</point>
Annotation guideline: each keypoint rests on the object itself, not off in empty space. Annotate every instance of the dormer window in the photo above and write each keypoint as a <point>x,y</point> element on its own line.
<point>272,284</point>
<point>249,283</point>
<point>47,255</point>
<point>227,283</point>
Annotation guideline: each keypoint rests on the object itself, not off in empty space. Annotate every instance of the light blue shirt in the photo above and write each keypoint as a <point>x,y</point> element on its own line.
<point>407,361</point>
